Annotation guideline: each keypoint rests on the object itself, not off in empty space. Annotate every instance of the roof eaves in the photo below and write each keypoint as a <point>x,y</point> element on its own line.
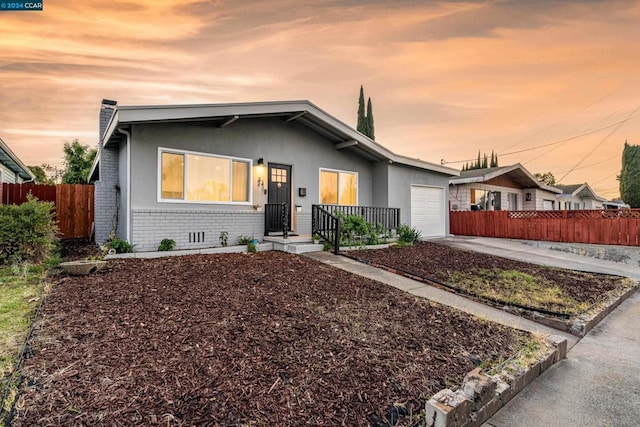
<point>24,172</point>
<point>132,114</point>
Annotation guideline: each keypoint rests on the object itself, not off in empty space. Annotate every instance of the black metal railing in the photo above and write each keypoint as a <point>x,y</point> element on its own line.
<point>326,225</point>
<point>276,219</point>
<point>325,220</point>
<point>388,217</point>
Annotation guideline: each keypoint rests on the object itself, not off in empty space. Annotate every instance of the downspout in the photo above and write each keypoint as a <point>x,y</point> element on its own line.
<point>128,207</point>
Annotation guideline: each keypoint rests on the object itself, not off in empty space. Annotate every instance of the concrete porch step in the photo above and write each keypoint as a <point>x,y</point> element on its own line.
<point>294,245</point>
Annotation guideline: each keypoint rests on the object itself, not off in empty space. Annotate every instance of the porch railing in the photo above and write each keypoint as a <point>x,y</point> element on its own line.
<point>325,220</point>
<point>276,219</point>
<point>388,217</point>
<point>326,225</point>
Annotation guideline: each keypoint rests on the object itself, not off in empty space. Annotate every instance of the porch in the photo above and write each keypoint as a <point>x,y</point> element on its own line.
<point>325,223</point>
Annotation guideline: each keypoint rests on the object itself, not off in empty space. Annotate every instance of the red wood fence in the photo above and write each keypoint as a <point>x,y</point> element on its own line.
<point>606,227</point>
<point>74,204</point>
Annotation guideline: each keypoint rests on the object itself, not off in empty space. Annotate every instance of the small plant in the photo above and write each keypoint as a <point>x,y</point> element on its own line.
<point>327,246</point>
<point>224,238</point>
<point>244,240</point>
<point>408,235</point>
<point>252,247</point>
<point>119,245</point>
<point>167,245</point>
<point>315,238</point>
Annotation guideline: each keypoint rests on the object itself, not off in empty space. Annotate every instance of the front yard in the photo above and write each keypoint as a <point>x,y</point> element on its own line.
<point>244,339</point>
<point>499,280</point>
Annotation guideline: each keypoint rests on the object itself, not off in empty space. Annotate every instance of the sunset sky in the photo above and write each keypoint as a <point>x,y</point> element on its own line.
<point>446,78</point>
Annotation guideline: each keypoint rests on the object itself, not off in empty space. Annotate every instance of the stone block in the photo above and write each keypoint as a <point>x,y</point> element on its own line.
<point>532,373</point>
<point>448,409</point>
<point>479,388</point>
<point>559,343</point>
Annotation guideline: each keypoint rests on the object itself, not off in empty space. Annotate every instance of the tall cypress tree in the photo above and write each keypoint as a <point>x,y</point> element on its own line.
<point>630,175</point>
<point>362,120</point>
<point>371,132</point>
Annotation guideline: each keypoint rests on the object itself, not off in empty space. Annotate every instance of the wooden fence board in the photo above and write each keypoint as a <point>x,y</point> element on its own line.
<point>74,204</point>
<point>587,226</point>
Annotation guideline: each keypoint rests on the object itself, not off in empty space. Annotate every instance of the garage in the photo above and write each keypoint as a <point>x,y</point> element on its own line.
<point>428,210</point>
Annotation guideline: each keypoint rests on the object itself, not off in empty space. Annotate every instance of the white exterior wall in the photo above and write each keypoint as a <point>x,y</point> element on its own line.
<point>538,196</point>
<point>150,226</point>
<point>7,175</point>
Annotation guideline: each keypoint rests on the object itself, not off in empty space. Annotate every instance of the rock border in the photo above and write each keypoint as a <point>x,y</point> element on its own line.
<point>482,395</point>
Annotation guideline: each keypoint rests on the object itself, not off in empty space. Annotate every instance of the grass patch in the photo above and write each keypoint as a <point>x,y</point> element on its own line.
<point>516,287</point>
<point>21,289</point>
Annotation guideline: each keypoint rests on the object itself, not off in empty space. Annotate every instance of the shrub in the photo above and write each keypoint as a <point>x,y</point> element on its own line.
<point>407,234</point>
<point>119,245</point>
<point>244,240</point>
<point>224,238</point>
<point>167,245</point>
<point>353,226</point>
<point>251,247</point>
<point>27,231</point>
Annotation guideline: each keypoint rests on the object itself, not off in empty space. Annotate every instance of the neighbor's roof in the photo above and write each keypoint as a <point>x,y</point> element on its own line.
<point>579,190</point>
<point>11,161</point>
<point>303,112</point>
<point>517,173</point>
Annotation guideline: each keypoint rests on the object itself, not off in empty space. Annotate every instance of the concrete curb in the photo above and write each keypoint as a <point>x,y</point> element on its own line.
<point>482,395</point>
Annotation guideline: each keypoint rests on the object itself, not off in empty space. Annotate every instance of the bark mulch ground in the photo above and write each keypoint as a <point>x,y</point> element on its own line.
<point>243,339</point>
<point>78,249</point>
<point>496,277</point>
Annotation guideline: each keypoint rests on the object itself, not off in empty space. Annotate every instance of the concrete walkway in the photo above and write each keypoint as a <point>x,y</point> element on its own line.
<point>599,382</point>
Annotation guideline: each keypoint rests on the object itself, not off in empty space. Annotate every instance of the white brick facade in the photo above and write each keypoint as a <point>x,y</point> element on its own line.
<point>186,227</point>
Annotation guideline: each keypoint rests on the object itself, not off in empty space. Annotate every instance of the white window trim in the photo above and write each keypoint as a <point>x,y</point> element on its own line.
<point>184,184</point>
<point>337,170</point>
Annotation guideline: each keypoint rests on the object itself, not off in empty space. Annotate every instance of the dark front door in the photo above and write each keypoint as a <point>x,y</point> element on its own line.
<point>280,187</point>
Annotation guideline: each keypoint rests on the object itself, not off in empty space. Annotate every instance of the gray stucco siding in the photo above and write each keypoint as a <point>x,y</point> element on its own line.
<point>123,212</point>
<point>400,180</point>
<point>270,139</point>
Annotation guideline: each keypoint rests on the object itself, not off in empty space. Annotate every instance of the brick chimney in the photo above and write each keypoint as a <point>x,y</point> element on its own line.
<point>106,188</point>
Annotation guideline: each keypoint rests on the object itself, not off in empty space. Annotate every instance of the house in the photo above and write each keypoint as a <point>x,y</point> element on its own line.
<point>12,170</point>
<point>579,196</point>
<point>190,172</point>
<point>500,188</point>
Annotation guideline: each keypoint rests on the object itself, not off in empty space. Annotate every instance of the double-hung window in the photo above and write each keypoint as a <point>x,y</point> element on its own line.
<point>203,178</point>
<point>338,187</point>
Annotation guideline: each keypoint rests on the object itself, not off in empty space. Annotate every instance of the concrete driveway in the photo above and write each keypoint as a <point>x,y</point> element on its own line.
<point>599,382</point>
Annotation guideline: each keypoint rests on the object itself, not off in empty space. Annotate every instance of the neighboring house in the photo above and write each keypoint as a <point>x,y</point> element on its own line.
<point>615,204</point>
<point>12,170</point>
<point>510,188</point>
<point>189,172</point>
<point>579,196</point>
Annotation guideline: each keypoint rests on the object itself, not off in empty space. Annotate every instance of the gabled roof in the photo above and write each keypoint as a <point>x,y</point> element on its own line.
<point>517,173</point>
<point>584,191</point>
<point>11,161</point>
<point>303,112</point>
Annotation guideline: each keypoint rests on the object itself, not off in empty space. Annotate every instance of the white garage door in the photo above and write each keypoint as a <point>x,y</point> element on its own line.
<point>427,210</point>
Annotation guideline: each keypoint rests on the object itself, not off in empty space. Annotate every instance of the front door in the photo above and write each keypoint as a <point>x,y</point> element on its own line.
<point>279,190</point>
